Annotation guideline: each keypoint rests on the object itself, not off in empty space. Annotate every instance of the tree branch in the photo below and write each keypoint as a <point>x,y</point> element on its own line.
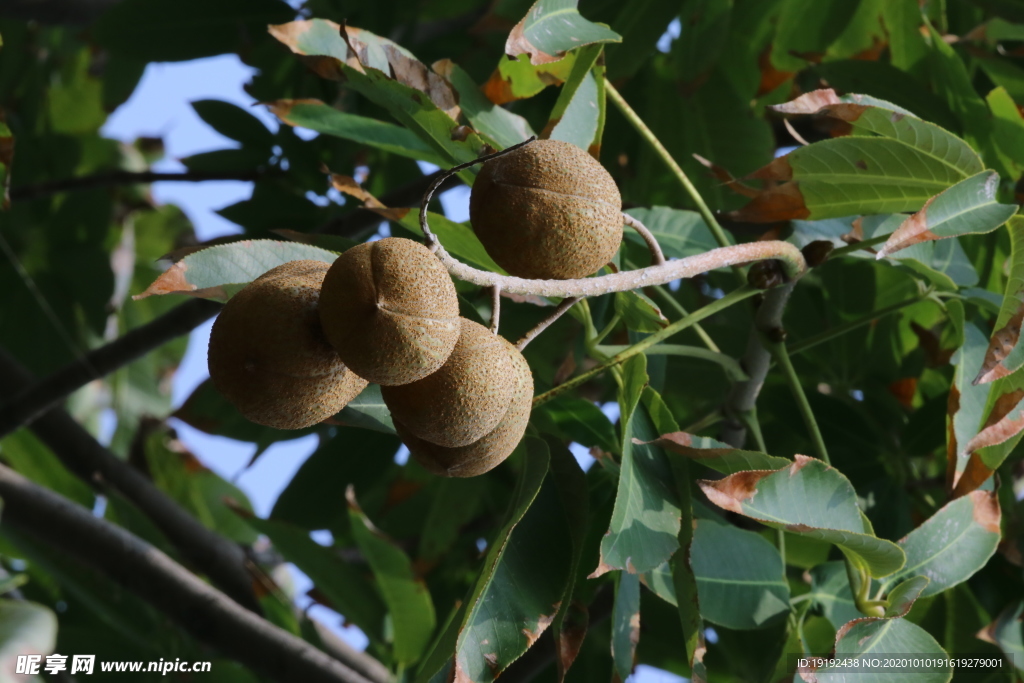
<point>790,258</point>
<point>33,401</point>
<point>740,406</point>
<point>206,613</point>
<point>125,178</point>
<point>222,560</point>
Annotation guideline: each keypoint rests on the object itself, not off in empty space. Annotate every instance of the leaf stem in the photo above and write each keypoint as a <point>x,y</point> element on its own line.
<point>728,363</point>
<point>781,356</point>
<point>804,344</point>
<point>738,294</point>
<point>857,246</point>
<point>699,329</point>
<point>684,180</point>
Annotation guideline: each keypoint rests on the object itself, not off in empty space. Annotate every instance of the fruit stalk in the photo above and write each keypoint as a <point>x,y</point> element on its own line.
<point>657,255</point>
<point>790,257</point>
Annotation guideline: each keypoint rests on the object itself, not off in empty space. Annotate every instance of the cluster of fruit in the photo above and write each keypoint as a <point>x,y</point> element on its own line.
<point>293,347</point>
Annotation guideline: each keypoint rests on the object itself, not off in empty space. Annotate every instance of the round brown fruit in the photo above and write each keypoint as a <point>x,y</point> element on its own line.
<point>268,355</point>
<point>489,451</point>
<point>466,398</point>
<point>547,210</point>
<point>390,310</point>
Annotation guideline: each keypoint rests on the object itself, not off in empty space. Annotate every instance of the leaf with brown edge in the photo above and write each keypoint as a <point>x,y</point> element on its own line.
<point>387,74</point>
<point>967,208</point>
<point>880,637</point>
<point>810,498</point>
<point>569,638</point>
<point>219,272</point>
<point>783,202</point>
<point>951,545</point>
<point>1005,421</point>
<point>723,176</point>
<point>1005,354</point>
<point>551,28</point>
<point>717,455</point>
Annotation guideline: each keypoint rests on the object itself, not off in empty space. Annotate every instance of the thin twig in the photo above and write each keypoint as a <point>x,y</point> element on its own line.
<point>684,180</point>
<point>209,615</point>
<point>781,356</point>
<point>715,306</point>
<point>657,255</point>
<point>495,308</point>
<point>559,311</point>
<point>35,400</point>
<point>222,560</point>
<point>789,256</point>
<point>109,178</point>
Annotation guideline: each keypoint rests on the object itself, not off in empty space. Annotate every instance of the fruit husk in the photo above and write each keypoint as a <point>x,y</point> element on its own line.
<point>547,211</point>
<point>268,355</point>
<point>466,398</point>
<point>390,310</point>
<point>488,452</point>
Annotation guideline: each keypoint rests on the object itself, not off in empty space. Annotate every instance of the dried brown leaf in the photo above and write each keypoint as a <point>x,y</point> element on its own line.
<point>1004,422</point>
<point>347,185</point>
<point>569,638</point>
<point>779,203</point>
<point>1000,345</point>
<point>730,493</point>
<point>911,231</point>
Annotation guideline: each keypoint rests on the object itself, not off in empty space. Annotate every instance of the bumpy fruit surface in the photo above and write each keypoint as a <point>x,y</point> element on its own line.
<point>466,398</point>
<point>489,451</point>
<point>390,310</point>
<point>548,211</point>
<point>268,355</point>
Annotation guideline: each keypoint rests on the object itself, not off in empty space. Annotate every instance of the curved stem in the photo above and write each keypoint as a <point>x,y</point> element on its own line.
<point>792,260</point>
<point>546,322</point>
<point>657,255</point>
<point>781,356</point>
<point>671,301</point>
<point>728,363</point>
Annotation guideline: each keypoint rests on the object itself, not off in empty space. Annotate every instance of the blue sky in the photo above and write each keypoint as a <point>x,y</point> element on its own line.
<point>160,107</point>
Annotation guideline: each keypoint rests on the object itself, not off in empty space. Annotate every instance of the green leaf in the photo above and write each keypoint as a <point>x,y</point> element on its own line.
<point>808,27</point>
<point>680,233</point>
<point>340,582</point>
<point>359,457</point>
<point>323,118</point>
<point>1006,632</point>
<point>717,455</point>
<point>625,623</point>
<point>525,574</point>
<point>641,24</point>
<point>880,637</point>
<point>177,30</point>
<point>953,544</point>
<point>580,420</point>
<point>740,576</point>
<point>1007,129</point>
<point>207,410</point>
<point>903,596</point>
<point>895,163</point>
<point>638,312</point>
<point>234,123</point>
<point>967,208</point>
<point>645,519</point>
<point>489,119</point>
<point>25,628</point>
<point>458,239</point>
<point>578,114</point>
<point>551,28</point>
<point>444,521</point>
<point>389,76</point>
<point>810,498</point>
<point>699,45</point>
<point>219,272</point>
<point>517,79</point>
<point>26,454</point>
<point>407,598</point>
<point>227,160</point>
<point>830,592</point>
<point>367,411</point>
